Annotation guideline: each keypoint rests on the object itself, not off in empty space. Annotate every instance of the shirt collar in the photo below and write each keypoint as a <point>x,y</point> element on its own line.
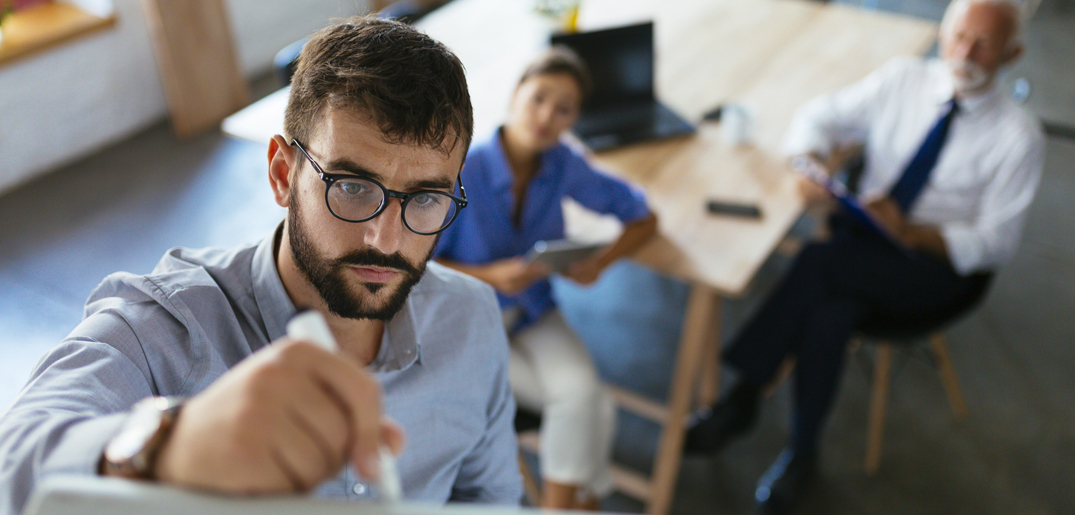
<point>273,302</point>
<point>945,90</point>
<point>400,347</point>
<point>501,175</point>
<point>399,343</point>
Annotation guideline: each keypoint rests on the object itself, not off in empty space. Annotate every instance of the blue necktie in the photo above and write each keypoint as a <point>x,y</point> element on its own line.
<point>916,174</point>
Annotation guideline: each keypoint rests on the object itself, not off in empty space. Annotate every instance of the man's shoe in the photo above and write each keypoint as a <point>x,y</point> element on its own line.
<point>714,427</point>
<point>780,487</point>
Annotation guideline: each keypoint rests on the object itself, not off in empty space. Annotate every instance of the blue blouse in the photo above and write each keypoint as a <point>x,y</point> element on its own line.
<point>484,232</point>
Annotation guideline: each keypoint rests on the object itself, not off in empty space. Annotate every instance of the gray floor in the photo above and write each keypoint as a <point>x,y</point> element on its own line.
<point>122,208</point>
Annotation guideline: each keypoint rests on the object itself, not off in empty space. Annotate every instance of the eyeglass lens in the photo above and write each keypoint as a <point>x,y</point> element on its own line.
<point>358,199</point>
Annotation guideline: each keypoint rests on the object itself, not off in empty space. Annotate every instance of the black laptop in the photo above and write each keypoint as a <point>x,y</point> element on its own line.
<point>622,108</point>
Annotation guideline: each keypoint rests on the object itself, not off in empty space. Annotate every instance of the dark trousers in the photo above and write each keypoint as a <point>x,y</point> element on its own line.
<point>831,288</point>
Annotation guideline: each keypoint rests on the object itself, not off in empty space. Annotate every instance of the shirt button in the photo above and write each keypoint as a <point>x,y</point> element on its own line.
<point>359,489</point>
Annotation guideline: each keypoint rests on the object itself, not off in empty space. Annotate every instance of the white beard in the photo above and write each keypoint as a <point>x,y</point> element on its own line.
<point>967,76</point>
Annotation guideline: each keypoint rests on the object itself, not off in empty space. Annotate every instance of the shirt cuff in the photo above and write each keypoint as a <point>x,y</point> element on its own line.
<point>965,248</point>
<point>79,450</point>
<point>807,143</point>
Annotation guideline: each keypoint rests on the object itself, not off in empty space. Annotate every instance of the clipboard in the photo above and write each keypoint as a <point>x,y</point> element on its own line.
<point>847,200</point>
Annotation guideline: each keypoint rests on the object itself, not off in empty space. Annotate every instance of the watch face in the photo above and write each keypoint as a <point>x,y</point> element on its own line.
<point>137,430</point>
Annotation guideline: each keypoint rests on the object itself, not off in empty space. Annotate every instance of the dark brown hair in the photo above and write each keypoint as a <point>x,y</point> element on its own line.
<point>409,84</point>
<point>561,59</point>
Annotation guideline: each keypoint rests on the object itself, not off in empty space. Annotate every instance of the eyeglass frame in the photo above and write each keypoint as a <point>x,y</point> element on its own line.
<point>404,198</point>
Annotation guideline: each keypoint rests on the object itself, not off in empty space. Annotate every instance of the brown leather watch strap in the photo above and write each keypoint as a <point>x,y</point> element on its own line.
<point>132,452</point>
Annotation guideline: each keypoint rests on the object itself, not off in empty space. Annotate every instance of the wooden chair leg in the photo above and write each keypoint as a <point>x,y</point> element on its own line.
<point>948,376</point>
<point>878,405</point>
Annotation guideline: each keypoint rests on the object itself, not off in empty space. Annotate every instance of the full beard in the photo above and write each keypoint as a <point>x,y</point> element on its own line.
<point>967,76</point>
<point>330,276</point>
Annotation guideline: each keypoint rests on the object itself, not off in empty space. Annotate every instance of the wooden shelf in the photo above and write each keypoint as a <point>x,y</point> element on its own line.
<point>44,26</point>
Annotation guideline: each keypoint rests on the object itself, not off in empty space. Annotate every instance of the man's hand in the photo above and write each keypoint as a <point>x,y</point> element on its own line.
<point>888,215</point>
<point>283,420</point>
<point>922,237</point>
<point>513,275</point>
<point>811,169</point>
<point>811,192</point>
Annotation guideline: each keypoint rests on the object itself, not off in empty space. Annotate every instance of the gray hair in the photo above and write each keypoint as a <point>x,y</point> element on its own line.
<point>1019,10</point>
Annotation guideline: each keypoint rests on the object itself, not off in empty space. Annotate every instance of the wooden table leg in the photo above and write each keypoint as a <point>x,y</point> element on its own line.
<point>709,382</point>
<point>701,328</point>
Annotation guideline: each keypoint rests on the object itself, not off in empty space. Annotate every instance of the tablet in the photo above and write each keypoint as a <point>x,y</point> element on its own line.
<point>560,254</point>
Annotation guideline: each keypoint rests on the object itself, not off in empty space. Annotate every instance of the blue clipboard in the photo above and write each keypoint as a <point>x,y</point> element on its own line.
<point>847,200</point>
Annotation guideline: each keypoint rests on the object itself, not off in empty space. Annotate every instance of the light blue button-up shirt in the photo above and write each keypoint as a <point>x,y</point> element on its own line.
<point>442,365</point>
<point>485,232</point>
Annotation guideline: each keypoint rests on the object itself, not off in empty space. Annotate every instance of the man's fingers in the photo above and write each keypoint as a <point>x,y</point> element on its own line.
<point>320,419</point>
<point>393,436</point>
<point>360,396</point>
<point>298,455</point>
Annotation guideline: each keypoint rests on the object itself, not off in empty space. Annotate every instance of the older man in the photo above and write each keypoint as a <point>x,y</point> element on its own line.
<point>377,125</point>
<point>951,166</point>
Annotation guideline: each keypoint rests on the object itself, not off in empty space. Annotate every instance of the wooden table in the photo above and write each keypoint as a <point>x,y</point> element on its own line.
<point>771,55</point>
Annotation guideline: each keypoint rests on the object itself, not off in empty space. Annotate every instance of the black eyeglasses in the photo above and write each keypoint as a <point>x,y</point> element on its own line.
<point>355,199</point>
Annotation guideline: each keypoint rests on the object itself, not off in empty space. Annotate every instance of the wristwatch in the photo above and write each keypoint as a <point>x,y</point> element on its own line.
<point>132,453</point>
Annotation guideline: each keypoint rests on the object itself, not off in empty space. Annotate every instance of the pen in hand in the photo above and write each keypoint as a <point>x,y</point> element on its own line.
<point>311,327</point>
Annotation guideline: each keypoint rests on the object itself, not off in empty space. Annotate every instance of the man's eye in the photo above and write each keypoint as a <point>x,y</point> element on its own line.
<point>352,188</point>
<point>426,199</point>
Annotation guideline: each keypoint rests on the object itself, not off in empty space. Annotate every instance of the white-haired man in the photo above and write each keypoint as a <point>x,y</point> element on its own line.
<point>951,166</point>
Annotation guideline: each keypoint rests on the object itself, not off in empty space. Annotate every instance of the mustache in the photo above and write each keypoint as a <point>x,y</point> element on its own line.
<point>966,66</point>
<point>369,257</point>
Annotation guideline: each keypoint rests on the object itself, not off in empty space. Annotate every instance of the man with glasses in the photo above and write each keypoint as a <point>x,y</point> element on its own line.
<point>378,123</point>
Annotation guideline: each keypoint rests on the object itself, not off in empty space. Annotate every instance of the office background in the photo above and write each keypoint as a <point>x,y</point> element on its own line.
<point>92,181</point>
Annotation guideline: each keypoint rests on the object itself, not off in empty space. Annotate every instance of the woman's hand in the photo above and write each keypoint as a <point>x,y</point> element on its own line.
<point>585,272</point>
<point>513,275</point>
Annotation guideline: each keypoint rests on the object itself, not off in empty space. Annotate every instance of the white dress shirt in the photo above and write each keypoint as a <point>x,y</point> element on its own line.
<point>985,177</point>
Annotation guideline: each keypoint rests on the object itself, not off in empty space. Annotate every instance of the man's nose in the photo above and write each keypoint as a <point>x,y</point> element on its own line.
<point>385,231</point>
<point>965,49</point>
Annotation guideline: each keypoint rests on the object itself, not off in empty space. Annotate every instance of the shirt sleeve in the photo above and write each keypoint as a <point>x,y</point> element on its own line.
<point>991,239</point>
<point>604,193</point>
<point>841,118</point>
<point>75,401</point>
<point>490,472</point>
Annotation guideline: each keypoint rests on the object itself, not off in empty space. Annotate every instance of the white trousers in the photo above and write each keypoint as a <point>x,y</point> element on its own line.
<point>551,372</point>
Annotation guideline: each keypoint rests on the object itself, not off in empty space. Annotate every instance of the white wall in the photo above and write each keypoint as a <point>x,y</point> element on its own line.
<point>72,100</point>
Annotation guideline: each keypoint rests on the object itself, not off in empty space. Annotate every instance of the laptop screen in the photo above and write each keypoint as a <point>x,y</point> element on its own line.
<point>620,60</point>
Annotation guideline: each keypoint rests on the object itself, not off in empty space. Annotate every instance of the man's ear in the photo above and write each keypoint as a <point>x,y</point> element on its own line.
<point>281,156</point>
<point>1013,54</point>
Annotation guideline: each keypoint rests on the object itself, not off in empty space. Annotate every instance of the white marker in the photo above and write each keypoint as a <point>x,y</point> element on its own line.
<point>310,326</point>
